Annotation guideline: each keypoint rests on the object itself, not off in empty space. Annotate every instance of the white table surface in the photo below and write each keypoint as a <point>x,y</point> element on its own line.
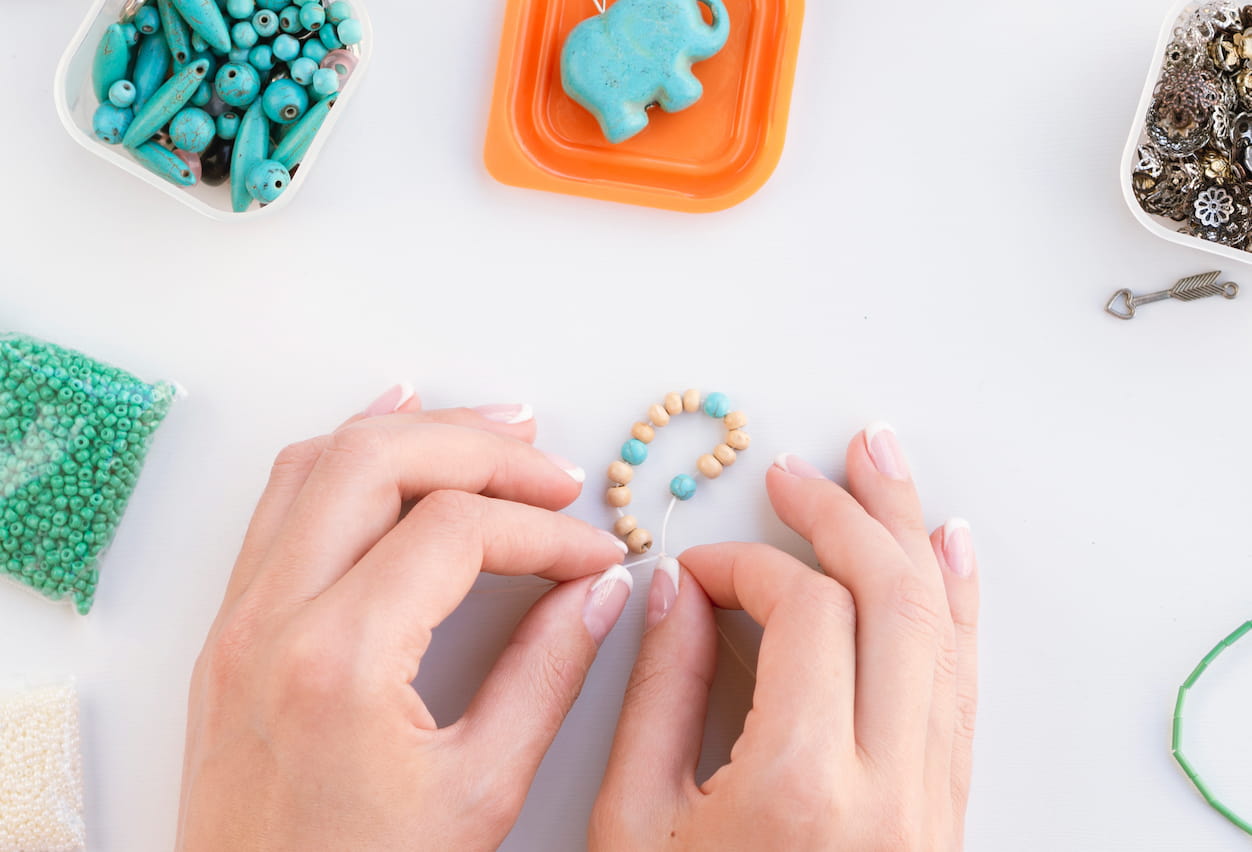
<point>934,249</point>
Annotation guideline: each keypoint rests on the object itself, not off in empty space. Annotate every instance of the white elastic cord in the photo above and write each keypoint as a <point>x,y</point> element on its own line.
<point>600,4</point>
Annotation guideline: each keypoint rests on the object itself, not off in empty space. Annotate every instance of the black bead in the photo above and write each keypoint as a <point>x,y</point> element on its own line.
<point>215,162</point>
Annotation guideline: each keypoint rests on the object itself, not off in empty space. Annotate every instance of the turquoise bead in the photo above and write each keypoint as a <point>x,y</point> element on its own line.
<point>265,22</point>
<point>148,20</point>
<point>239,55</point>
<point>240,10</point>
<point>238,84</point>
<point>112,61</point>
<point>110,122</point>
<point>350,31</point>
<point>152,65</point>
<point>289,20</point>
<point>207,21</point>
<point>203,95</point>
<point>325,82</point>
<point>285,101</point>
<point>163,162</point>
<point>131,32</point>
<point>683,487</point>
<point>315,50</point>
<point>272,5</point>
<point>286,48</point>
<point>328,38</point>
<point>192,130</point>
<point>177,33</point>
<point>296,143</point>
<point>251,145</point>
<point>302,70</point>
<point>261,58</point>
<point>243,34</point>
<point>717,405</point>
<point>198,44</point>
<point>634,452</point>
<point>267,180</point>
<point>122,93</point>
<point>312,16</point>
<point>339,11</point>
<point>228,125</point>
<point>166,102</point>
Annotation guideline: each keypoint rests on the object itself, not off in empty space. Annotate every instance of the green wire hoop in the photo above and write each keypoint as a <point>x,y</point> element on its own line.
<point>1176,743</point>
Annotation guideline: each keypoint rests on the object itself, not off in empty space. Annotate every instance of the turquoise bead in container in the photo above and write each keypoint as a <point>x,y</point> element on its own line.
<point>325,82</point>
<point>251,147</point>
<point>267,180</point>
<point>112,61</point>
<point>239,55</point>
<point>265,22</point>
<point>286,48</point>
<point>350,31</point>
<point>122,94</point>
<point>285,101</point>
<point>262,58</point>
<point>152,65</point>
<point>243,34</point>
<point>228,125</point>
<point>203,95</point>
<point>110,122</point>
<point>634,452</point>
<point>177,33</point>
<point>296,143</point>
<point>312,16</point>
<point>338,12</point>
<point>148,20</point>
<point>272,5</point>
<point>240,10</point>
<point>131,32</point>
<point>166,102</point>
<point>198,44</point>
<point>206,19</point>
<point>238,84</point>
<point>289,19</point>
<point>192,130</point>
<point>315,50</point>
<point>302,70</point>
<point>683,487</point>
<point>328,38</point>
<point>162,161</point>
<point>717,405</point>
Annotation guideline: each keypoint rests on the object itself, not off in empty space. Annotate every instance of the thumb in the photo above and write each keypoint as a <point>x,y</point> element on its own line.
<point>652,766</point>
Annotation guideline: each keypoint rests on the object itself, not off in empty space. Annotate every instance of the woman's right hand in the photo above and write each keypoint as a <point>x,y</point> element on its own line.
<point>862,719</point>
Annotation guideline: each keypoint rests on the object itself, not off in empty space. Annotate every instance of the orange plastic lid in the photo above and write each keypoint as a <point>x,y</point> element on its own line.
<point>709,157</point>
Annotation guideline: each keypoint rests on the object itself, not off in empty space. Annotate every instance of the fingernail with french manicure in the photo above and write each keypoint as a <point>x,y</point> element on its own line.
<point>664,590</point>
<point>510,414</point>
<point>605,601</point>
<point>575,472</point>
<point>885,453</point>
<point>798,467</point>
<point>958,547</point>
<point>390,401</point>
<point>617,542</point>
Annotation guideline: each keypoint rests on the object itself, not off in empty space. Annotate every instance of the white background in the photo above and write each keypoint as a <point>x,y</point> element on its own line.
<point>934,249</point>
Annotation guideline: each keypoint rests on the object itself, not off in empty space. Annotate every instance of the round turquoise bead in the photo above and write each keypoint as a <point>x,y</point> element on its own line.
<point>272,5</point>
<point>267,180</point>
<point>261,58</point>
<point>315,50</point>
<point>289,20</point>
<point>110,124</point>
<point>237,84</point>
<point>243,34</point>
<point>204,94</point>
<point>302,70</point>
<point>634,452</point>
<point>683,487</point>
<point>717,405</point>
<point>228,125</point>
<point>339,11</point>
<point>350,31</point>
<point>148,19</point>
<point>265,23</point>
<point>285,47</point>
<point>325,82</point>
<point>285,101</point>
<point>122,93</point>
<point>328,38</point>
<point>239,55</point>
<point>192,130</point>
<point>240,10</point>
<point>131,32</point>
<point>312,16</point>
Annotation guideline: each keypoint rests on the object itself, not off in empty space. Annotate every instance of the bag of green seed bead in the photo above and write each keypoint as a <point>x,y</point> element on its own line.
<point>74,433</point>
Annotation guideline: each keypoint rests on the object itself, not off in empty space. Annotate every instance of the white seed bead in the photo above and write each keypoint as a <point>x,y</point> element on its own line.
<point>619,496</point>
<point>658,415</point>
<point>710,467</point>
<point>621,473</point>
<point>674,404</point>
<point>735,420</point>
<point>691,401</point>
<point>643,432</point>
<point>737,439</point>
<point>724,454</point>
<point>639,541</point>
<point>41,776</point>
<point>625,525</point>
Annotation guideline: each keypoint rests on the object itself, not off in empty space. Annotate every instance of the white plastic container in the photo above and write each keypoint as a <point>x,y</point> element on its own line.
<point>1160,225</point>
<point>76,104</point>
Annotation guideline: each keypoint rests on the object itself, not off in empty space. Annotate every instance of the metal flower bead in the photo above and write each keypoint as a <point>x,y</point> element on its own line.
<point>1214,207</point>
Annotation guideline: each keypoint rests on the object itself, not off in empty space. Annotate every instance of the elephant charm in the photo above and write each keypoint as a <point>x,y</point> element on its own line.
<point>639,53</point>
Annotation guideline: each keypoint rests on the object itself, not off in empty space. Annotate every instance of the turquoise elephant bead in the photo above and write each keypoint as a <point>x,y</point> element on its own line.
<point>148,20</point>
<point>286,48</point>
<point>339,11</point>
<point>206,19</point>
<point>261,58</point>
<point>639,53</point>
<point>717,405</point>
<point>122,93</point>
<point>267,180</point>
<point>110,123</point>
<point>177,33</point>
<point>285,101</point>
<point>112,61</point>
<point>251,147</point>
<point>152,66</point>
<point>192,130</point>
<point>241,10</point>
<point>166,102</point>
<point>329,39</point>
<point>634,452</point>
<point>296,143</point>
<point>265,22</point>
<point>682,486</point>
<point>312,16</point>
<point>325,82</point>
<point>350,31</point>
<point>315,50</point>
<point>227,125</point>
<point>289,19</point>
<point>243,34</point>
<point>163,162</point>
<point>302,70</point>
<point>237,84</point>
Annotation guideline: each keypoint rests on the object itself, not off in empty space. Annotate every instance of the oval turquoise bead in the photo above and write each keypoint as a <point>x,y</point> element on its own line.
<point>227,125</point>
<point>177,33</point>
<point>717,405</point>
<point>112,61</point>
<point>683,487</point>
<point>162,161</point>
<point>285,101</point>
<point>315,50</point>
<point>289,20</point>
<point>166,102</point>
<point>251,147</point>
<point>110,124</point>
<point>152,65</point>
<point>241,10</point>
<point>237,84</point>
<point>122,93</point>
<point>285,47</point>
<point>265,22</point>
<point>267,180</point>
<point>302,70</point>
<point>296,143</point>
<point>261,58</point>
<point>312,16</point>
<point>339,11</point>
<point>350,31</point>
<point>198,44</point>
<point>634,452</point>
<point>325,82</point>
<point>207,20</point>
<point>148,20</point>
<point>329,38</point>
<point>243,34</point>
<point>192,130</point>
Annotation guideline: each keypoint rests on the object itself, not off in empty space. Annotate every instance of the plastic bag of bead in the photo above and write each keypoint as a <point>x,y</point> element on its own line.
<point>41,775</point>
<point>74,436</point>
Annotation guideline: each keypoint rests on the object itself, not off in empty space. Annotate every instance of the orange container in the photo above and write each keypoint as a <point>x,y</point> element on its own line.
<point>706,158</point>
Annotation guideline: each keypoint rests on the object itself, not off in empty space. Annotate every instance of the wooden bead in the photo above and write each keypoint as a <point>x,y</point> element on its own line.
<point>639,541</point>
<point>737,439</point>
<point>621,473</point>
<point>658,415</point>
<point>691,401</point>
<point>642,432</point>
<point>724,454</point>
<point>674,404</point>
<point>708,466</point>
<point>619,496</point>
<point>625,525</point>
<point>735,420</point>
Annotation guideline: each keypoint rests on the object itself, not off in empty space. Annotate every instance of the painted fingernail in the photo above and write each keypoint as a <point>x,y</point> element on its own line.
<point>958,547</point>
<point>885,453</point>
<point>617,542</point>
<point>798,467</point>
<point>664,591</point>
<point>509,414</point>
<point>390,401</point>
<point>575,472</point>
<point>605,601</point>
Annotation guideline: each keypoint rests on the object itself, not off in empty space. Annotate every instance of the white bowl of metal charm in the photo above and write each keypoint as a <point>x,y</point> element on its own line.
<point>77,103</point>
<point>1187,169</point>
